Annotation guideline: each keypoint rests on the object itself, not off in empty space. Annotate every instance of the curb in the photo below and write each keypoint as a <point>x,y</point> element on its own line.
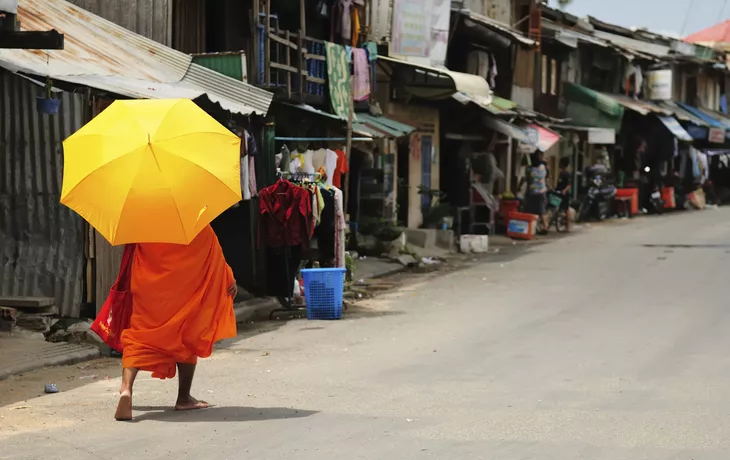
<point>258,308</point>
<point>79,355</point>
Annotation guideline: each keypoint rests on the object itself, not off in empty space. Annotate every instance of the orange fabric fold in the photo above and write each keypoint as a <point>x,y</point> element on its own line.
<point>181,305</point>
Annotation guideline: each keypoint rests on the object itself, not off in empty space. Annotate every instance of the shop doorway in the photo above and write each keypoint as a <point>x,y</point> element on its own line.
<point>403,189</point>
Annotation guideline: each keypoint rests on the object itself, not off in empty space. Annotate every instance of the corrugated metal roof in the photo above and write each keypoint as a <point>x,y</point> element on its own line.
<point>498,26</point>
<point>642,107</point>
<point>231,94</point>
<point>387,125</point>
<point>682,114</point>
<point>103,55</point>
<point>710,120</point>
<point>358,128</point>
<point>653,49</point>
<point>473,85</point>
<point>571,34</point>
<point>41,241</point>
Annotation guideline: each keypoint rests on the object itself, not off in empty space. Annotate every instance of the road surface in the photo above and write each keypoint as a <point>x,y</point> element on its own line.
<point>611,344</point>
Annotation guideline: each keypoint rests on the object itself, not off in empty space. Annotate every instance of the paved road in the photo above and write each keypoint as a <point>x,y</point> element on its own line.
<point>600,346</point>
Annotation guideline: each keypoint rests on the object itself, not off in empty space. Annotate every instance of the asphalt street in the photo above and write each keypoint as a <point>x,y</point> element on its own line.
<point>610,344</point>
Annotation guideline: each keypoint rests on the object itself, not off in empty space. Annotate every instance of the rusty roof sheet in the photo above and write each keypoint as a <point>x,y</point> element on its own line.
<point>103,55</point>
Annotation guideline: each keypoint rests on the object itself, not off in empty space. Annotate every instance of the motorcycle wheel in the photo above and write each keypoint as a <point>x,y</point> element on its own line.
<point>659,207</point>
<point>583,211</point>
<point>561,222</point>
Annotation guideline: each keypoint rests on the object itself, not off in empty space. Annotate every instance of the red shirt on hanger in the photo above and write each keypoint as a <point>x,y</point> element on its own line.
<point>341,168</point>
<point>286,211</point>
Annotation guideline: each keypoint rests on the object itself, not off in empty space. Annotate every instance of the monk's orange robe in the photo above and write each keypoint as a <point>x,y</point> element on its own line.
<point>181,304</point>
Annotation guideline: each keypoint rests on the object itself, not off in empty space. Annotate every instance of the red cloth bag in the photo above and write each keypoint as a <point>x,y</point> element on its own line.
<point>116,313</point>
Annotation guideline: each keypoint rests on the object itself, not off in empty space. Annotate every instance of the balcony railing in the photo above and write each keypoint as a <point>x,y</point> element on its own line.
<point>288,62</point>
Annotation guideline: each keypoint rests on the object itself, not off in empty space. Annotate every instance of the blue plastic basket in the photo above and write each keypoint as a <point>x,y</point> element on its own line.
<point>323,289</point>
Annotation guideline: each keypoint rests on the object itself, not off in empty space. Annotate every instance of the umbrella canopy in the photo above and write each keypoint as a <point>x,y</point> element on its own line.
<point>151,171</point>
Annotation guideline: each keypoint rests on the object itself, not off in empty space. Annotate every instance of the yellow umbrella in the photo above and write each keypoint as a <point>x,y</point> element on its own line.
<point>151,171</point>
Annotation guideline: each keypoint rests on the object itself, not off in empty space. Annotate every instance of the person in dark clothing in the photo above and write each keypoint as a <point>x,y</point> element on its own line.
<point>536,176</point>
<point>565,183</point>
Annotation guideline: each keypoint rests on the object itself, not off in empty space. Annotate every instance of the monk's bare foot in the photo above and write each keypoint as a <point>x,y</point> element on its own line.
<point>124,408</point>
<point>190,403</point>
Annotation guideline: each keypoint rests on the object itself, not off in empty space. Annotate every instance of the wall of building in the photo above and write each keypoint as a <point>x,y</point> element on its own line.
<point>501,10</point>
<point>708,87</point>
<point>149,18</point>
<point>426,121</point>
<point>43,242</point>
<point>523,83</point>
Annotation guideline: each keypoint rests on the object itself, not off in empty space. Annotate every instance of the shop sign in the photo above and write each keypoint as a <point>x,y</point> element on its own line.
<point>716,135</point>
<point>659,84</point>
<point>601,136</point>
<point>420,31</point>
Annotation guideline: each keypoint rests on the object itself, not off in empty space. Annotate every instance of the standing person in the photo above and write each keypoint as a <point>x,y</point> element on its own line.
<point>536,196</point>
<point>182,304</point>
<point>565,181</point>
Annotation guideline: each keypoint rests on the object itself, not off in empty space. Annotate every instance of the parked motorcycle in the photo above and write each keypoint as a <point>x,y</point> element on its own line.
<point>654,198</point>
<point>598,201</point>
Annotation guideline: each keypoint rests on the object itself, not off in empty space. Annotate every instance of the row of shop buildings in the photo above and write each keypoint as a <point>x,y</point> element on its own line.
<point>425,99</point>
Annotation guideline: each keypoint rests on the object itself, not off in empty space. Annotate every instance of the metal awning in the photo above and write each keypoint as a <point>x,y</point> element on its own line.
<point>507,128</point>
<point>103,55</point>
<point>652,49</point>
<point>571,37</point>
<point>683,115</point>
<point>546,138</point>
<point>675,128</point>
<point>357,128</point>
<point>709,120</point>
<point>363,124</point>
<point>472,85</point>
<point>390,127</point>
<point>497,26</point>
<point>641,107</point>
<point>598,136</point>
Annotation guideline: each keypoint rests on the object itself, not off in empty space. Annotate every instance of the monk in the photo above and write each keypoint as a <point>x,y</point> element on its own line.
<point>182,304</point>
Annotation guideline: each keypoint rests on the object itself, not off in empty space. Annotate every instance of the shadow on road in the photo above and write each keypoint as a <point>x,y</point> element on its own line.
<point>220,414</point>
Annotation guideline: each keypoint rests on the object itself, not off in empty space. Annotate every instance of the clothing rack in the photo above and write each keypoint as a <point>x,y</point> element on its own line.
<point>298,176</point>
<point>286,303</point>
<point>322,139</point>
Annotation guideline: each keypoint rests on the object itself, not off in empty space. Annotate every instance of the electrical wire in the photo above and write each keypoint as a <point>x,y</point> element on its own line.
<point>686,16</point>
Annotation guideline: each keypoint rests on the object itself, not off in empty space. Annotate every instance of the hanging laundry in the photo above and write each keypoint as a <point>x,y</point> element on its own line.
<point>477,63</point>
<point>252,176</point>
<point>340,227</point>
<point>361,89</point>
<point>493,72</point>
<point>346,20</point>
<point>330,166</point>
<point>372,49</point>
<point>284,156</point>
<point>245,190</point>
<point>286,213</point>
<point>341,168</point>
<point>308,165</point>
<point>355,25</point>
<point>338,76</point>
<point>251,147</point>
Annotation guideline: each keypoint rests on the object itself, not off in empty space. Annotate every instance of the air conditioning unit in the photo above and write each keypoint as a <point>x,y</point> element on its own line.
<point>9,6</point>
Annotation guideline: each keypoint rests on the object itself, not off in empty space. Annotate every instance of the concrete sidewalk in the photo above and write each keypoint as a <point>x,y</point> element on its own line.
<point>19,354</point>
